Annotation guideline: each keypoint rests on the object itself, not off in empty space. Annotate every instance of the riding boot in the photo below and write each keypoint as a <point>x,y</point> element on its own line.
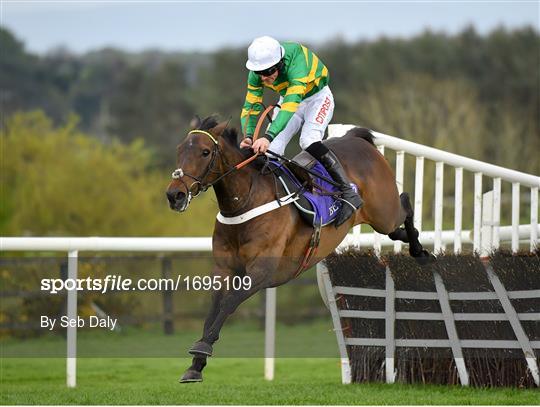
<point>350,199</point>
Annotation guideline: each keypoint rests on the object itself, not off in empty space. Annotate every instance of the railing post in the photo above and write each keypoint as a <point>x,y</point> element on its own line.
<point>458,208</point>
<point>534,219</point>
<point>418,192</point>
<point>487,225</point>
<point>390,319</point>
<point>477,221</point>
<point>515,217</point>
<point>270,334</point>
<point>496,212</point>
<point>71,360</point>
<point>439,188</point>
<point>357,231</point>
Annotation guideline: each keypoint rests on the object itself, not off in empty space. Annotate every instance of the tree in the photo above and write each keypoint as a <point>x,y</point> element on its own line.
<point>425,110</point>
<point>59,181</point>
<point>153,106</point>
<point>24,83</point>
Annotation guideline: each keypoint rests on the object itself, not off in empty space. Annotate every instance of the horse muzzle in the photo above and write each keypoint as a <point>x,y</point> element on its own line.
<point>178,200</point>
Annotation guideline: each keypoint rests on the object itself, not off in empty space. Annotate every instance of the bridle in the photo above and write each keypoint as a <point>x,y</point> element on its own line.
<point>202,185</point>
<point>179,173</point>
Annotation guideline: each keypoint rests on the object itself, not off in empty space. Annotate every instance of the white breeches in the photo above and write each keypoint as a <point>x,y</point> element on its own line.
<point>312,116</point>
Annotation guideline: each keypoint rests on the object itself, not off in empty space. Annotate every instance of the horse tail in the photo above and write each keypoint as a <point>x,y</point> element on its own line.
<point>362,132</point>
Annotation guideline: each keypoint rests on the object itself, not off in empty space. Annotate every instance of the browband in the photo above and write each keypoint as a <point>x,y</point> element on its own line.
<point>204,132</point>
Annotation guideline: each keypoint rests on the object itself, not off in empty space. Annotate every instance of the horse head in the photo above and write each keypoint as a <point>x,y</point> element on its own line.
<point>198,163</point>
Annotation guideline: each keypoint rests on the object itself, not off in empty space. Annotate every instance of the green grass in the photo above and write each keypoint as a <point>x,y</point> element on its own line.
<point>227,380</point>
<point>241,339</point>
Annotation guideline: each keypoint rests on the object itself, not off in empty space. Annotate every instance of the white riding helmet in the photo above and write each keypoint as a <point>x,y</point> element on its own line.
<point>263,53</point>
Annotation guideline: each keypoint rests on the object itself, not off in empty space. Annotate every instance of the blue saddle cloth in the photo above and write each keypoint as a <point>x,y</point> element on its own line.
<point>323,207</point>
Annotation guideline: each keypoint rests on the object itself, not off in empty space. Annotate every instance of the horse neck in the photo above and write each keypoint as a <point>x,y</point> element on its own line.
<point>236,193</point>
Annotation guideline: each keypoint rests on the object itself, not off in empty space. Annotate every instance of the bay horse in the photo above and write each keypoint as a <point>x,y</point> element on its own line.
<point>267,254</point>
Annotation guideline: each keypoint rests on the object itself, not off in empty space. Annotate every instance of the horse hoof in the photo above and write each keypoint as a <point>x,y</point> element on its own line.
<point>201,348</point>
<point>424,257</point>
<point>191,376</point>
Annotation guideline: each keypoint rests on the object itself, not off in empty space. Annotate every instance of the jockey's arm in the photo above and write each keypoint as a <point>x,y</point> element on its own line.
<point>291,100</point>
<point>297,75</point>
<point>253,103</point>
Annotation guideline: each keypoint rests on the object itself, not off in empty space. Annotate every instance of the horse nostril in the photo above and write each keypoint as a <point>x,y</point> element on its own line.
<point>175,196</point>
<point>172,195</point>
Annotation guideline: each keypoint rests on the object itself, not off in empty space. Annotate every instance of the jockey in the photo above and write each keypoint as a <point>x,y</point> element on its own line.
<point>305,103</point>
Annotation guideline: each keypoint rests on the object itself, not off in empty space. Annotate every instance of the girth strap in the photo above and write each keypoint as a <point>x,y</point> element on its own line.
<point>311,249</point>
<point>258,211</point>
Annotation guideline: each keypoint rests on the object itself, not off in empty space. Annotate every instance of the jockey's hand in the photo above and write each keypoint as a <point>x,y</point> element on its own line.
<point>261,145</point>
<point>246,143</point>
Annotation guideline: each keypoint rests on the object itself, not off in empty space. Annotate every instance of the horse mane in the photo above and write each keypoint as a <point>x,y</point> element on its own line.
<point>362,132</point>
<point>230,135</point>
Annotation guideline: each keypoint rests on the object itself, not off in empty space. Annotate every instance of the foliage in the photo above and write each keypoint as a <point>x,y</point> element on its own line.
<point>153,95</point>
<point>59,181</point>
<point>467,93</point>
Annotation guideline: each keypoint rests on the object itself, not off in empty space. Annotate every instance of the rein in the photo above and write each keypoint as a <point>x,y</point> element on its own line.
<point>265,113</point>
<point>178,174</point>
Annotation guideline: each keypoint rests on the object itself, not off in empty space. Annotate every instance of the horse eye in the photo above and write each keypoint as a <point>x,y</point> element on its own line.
<point>206,152</point>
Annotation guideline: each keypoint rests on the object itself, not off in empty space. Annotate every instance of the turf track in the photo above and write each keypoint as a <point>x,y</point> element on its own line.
<point>228,380</point>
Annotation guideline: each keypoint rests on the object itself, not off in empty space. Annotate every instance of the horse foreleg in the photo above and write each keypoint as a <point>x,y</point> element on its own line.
<point>200,350</point>
<point>228,301</point>
<point>231,300</point>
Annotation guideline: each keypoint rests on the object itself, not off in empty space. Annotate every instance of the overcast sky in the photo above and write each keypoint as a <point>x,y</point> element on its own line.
<point>207,25</point>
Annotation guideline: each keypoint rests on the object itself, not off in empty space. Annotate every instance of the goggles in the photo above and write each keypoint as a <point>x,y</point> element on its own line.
<point>267,72</point>
<point>270,71</point>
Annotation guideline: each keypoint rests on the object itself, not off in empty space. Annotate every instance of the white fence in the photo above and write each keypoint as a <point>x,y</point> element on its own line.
<point>492,227</point>
<point>73,245</point>
<point>486,235</point>
<point>438,237</point>
<point>390,315</point>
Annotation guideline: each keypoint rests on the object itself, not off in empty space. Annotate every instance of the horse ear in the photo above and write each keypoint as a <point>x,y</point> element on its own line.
<point>195,122</point>
<point>220,128</point>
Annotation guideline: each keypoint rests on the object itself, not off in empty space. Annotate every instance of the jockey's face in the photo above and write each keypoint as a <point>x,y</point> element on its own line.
<point>269,79</point>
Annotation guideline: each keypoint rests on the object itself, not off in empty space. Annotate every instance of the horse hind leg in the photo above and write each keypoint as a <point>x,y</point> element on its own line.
<point>409,234</point>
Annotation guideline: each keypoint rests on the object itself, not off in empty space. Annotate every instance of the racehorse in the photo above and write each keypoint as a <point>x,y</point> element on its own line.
<point>270,255</point>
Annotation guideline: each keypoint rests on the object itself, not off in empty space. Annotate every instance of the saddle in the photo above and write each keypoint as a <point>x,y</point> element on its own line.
<point>318,202</point>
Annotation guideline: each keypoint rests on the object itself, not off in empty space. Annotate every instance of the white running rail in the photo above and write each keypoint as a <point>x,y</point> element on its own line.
<point>480,169</point>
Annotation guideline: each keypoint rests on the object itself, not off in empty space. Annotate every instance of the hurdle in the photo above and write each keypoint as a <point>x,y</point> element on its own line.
<point>485,237</point>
